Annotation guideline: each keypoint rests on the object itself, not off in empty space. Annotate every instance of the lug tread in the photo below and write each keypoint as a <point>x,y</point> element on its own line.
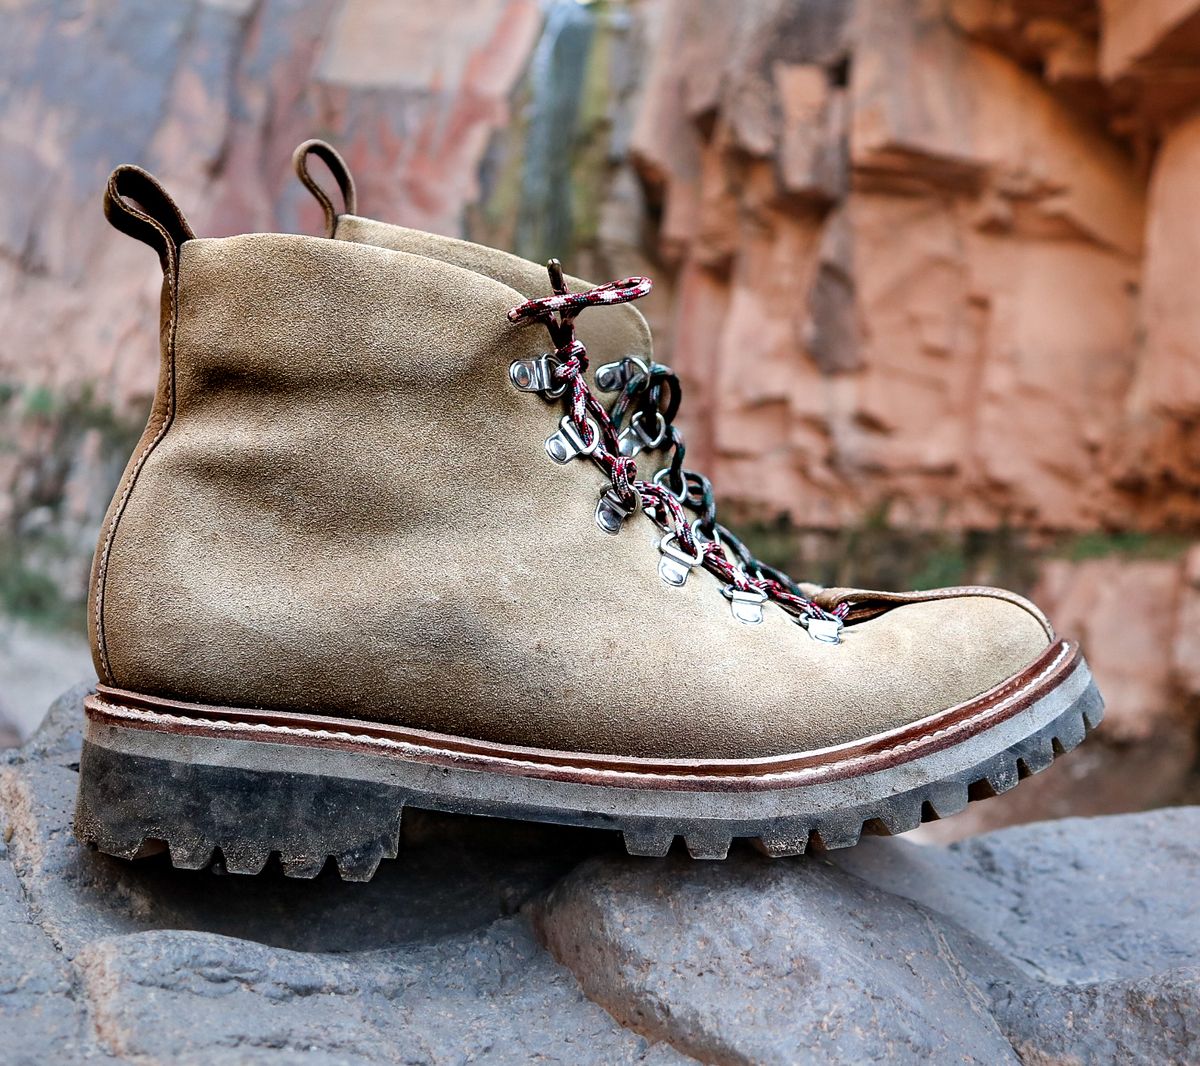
<point>1035,755</point>
<point>708,843</point>
<point>947,798</point>
<point>784,841</point>
<point>899,815</point>
<point>194,854</point>
<point>243,858</point>
<point>832,833</point>
<point>302,866</point>
<point>358,858</point>
<point>359,864</point>
<point>1069,732</point>
<point>649,841</point>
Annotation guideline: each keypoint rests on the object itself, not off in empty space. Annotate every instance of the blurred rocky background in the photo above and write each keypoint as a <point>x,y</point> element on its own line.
<point>925,267</point>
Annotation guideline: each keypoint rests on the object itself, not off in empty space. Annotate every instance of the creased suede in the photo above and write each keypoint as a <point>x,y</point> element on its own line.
<point>353,513</point>
<point>620,332</point>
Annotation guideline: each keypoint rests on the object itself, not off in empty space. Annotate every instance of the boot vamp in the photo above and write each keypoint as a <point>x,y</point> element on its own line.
<point>608,658</point>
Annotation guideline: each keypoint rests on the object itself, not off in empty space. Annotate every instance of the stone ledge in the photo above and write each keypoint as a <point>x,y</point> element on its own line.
<point>1074,940</point>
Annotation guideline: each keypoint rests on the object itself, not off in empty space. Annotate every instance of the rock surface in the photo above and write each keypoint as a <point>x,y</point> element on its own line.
<point>1068,941</point>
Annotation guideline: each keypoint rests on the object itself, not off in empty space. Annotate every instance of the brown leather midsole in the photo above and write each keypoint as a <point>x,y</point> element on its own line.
<point>117,707</point>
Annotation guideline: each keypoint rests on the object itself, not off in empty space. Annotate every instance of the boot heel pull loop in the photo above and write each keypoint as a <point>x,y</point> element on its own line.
<point>137,205</point>
<point>341,173</point>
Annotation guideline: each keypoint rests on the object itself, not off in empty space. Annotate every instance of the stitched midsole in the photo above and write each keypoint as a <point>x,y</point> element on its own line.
<point>1060,668</point>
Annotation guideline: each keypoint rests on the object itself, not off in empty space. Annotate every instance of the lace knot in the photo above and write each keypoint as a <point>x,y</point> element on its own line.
<point>573,360</point>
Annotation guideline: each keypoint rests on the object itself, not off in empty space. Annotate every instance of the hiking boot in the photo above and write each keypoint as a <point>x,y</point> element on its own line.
<point>380,547</point>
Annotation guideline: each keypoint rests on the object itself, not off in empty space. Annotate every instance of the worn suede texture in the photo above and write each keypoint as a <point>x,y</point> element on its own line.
<point>621,331</point>
<point>610,336</point>
<point>352,513</point>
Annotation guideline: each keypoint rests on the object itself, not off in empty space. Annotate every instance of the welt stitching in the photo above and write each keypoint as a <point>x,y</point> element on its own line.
<point>168,415</point>
<point>403,745</point>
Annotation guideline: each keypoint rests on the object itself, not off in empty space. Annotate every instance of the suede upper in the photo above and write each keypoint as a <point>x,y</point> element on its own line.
<point>347,508</point>
<point>619,332</point>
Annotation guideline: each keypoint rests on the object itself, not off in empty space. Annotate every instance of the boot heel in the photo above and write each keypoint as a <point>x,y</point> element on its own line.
<point>206,814</point>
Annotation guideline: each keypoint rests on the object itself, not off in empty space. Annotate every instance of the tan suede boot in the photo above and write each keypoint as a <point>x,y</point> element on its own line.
<point>379,548</point>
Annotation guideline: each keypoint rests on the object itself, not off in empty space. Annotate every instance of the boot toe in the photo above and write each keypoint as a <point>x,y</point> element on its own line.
<point>910,662</point>
<point>938,653</point>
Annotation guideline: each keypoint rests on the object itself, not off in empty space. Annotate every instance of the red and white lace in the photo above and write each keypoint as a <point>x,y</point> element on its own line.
<point>589,417</point>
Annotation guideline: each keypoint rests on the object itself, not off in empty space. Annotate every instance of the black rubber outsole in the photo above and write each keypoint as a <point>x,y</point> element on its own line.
<point>237,819</point>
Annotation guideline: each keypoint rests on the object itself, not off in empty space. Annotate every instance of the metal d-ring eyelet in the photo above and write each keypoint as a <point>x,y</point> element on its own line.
<point>611,511</point>
<point>700,537</point>
<point>660,479</point>
<point>676,564</point>
<point>566,443</point>
<point>634,438</point>
<point>613,377</point>
<point>826,630</point>
<point>537,375</point>
<point>635,423</point>
<point>746,604</point>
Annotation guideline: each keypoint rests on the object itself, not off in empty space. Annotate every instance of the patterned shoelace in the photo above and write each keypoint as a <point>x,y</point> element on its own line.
<point>589,429</point>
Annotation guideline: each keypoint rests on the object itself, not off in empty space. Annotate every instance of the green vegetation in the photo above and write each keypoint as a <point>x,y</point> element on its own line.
<point>874,554</point>
<point>1126,545</point>
<point>27,592</point>
<point>43,554</point>
<point>72,413</point>
<point>39,402</point>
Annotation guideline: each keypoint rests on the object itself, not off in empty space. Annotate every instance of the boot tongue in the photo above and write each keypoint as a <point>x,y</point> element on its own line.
<point>869,603</point>
<point>619,332</point>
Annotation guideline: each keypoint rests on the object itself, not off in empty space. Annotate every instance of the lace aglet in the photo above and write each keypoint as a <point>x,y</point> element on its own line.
<point>558,283</point>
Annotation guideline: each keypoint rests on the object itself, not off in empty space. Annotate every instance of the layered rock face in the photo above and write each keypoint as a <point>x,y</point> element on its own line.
<point>933,254</point>
<point>930,254</point>
<point>922,264</point>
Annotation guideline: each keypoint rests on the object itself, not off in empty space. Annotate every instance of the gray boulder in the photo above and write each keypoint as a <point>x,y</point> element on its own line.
<point>1070,941</point>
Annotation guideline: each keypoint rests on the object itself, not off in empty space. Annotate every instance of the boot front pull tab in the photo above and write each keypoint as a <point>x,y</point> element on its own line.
<point>341,174</point>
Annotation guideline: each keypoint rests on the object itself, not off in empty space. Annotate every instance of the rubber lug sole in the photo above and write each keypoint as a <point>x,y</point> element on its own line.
<point>235,803</point>
<point>307,820</point>
<point>141,791</point>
